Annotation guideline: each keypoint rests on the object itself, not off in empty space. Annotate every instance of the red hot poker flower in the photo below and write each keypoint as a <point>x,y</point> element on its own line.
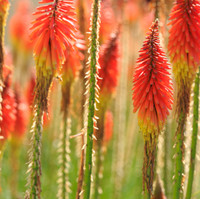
<point>8,109</point>
<point>152,96</point>
<point>108,60</point>
<point>52,32</point>
<point>152,85</point>
<point>184,48</point>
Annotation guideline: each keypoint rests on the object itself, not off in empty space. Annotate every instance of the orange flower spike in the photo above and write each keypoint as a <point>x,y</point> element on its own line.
<point>184,43</point>
<point>108,60</point>
<point>53,31</point>
<point>184,48</point>
<point>152,85</point>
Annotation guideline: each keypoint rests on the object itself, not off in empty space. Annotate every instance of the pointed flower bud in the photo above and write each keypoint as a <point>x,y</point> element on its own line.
<point>53,31</point>
<point>152,85</point>
<point>184,47</point>
<point>7,121</point>
<point>108,60</point>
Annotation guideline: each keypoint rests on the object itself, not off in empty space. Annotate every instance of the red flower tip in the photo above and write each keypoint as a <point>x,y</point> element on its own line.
<point>8,110</point>
<point>184,43</point>
<point>53,31</point>
<point>19,26</point>
<point>108,126</point>
<point>152,85</point>
<point>108,61</point>
<point>22,114</point>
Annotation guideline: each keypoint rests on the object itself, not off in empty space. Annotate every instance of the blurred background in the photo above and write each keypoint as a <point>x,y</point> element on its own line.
<point>123,156</point>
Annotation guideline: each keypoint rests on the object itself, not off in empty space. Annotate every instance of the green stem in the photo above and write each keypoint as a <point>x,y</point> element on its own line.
<point>166,159</point>
<point>35,155</point>
<point>179,156</point>
<point>91,108</point>
<point>194,138</point>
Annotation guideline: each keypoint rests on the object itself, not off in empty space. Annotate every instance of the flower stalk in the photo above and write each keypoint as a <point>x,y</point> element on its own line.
<point>194,138</point>
<point>91,106</point>
<point>35,156</point>
<point>53,30</point>
<point>64,145</point>
<point>152,85</point>
<point>183,35</point>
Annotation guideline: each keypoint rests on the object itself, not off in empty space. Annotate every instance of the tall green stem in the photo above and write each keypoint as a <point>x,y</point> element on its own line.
<point>91,108</point>
<point>179,156</point>
<point>194,137</point>
<point>35,156</point>
<point>166,159</point>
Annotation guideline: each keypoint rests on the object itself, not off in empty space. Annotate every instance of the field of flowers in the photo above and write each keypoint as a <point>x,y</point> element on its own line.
<point>99,99</point>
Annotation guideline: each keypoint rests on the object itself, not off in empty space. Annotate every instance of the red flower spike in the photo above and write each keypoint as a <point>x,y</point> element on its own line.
<point>8,110</point>
<point>184,48</point>
<point>184,43</point>
<point>152,85</point>
<point>22,115</point>
<point>53,31</point>
<point>108,60</point>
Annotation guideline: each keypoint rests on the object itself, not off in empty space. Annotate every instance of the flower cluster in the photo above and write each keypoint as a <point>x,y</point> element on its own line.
<point>52,32</point>
<point>152,85</point>
<point>184,47</point>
